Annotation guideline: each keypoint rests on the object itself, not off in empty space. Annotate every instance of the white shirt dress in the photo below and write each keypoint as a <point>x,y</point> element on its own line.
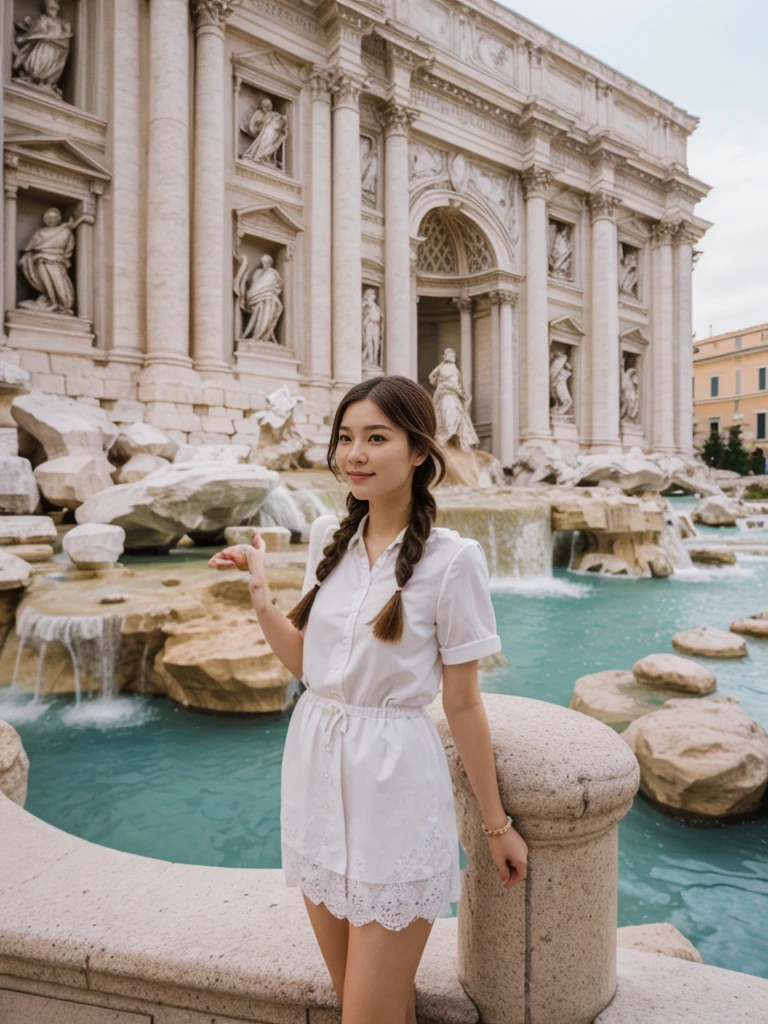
<point>367,817</point>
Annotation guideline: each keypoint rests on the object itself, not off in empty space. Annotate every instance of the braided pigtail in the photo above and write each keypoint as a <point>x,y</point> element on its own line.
<point>332,552</point>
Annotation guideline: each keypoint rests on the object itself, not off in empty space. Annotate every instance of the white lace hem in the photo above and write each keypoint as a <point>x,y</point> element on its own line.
<point>393,904</point>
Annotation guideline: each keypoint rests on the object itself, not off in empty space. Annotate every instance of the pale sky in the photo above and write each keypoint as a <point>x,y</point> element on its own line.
<point>710,58</point>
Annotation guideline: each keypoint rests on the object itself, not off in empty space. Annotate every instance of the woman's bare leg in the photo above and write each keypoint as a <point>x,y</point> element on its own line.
<point>380,971</point>
<point>332,934</point>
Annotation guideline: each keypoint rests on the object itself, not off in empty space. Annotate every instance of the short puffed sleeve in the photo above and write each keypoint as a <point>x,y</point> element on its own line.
<point>320,533</point>
<point>466,622</point>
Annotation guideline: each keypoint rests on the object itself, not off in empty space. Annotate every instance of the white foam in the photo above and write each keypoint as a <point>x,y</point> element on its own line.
<point>115,713</point>
<point>539,586</point>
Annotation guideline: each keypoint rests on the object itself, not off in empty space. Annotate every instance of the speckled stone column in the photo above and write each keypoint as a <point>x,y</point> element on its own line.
<point>604,380</point>
<point>505,421</point>
<point>544,952</point>
<point>684,340</point>
<point>664,399</point>
<point>535,413</point>
<point>397,120</point>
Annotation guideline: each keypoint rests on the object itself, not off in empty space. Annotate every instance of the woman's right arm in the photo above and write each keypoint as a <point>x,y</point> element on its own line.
<point>284,639</point>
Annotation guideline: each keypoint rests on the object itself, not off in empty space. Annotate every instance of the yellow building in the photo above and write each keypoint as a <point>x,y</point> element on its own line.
<point>730,373</point>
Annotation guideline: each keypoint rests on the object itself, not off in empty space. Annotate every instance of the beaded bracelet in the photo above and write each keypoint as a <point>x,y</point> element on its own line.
<point>497,831</point>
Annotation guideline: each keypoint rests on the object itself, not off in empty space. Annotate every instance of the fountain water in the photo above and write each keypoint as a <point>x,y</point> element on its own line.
<point>293,509</point>
<point>91,640</point>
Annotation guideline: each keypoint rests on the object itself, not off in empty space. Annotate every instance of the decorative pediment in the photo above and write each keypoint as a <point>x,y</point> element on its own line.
<point>266,68</point>
<point>634,337</point>
<point>566,325</point>
<point>266,220</point>
<point>55,163</point>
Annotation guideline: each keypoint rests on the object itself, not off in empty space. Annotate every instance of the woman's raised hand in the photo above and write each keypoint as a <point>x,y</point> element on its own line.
<point>249,558</point>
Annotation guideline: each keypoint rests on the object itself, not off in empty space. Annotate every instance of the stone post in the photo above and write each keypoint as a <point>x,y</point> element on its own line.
<point>535,420</point>
<point>10,257</point>
<point>544,951</point>
<point>684,343</point>
<point>208,213</point>
<point>663,395</point>
<point>124,333</point>
<point>505,419</point>
<point>347,222</point>
<point>397,119</point>
<point>320,364</point>
<point>604,379</point>
<point>84,258</point>
<point>464,306</point>
<point>167,262</point>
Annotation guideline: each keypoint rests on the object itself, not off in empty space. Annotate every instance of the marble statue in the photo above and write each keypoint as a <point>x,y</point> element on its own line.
<point>372,324</point>
<point>559,372</point>
<point>269,130</point>
<point>451,403</point>
<point>369,169</point>
<point>560,251</point>
<point>628,270</point>
<point>41,48</point>
<point>278,414</point>
<point>630,393</point>
<point>259,297</point>
<point>46,259</point>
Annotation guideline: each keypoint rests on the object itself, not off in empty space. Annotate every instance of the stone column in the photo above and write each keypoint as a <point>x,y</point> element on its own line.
<point>84,256</point>
<point>208,211</point>
<point>167,262</point>
<point>684,343</point>
<point>124,332</point>
<point>464,307</point>
<point>535,420</point>
<point>505,420</point>
<point>397,119</point>
<point>604,379</point>
<point>10,256</point>
<point>663,331</point>
<point>320,359</point>
<point>347,222</point>
<point>543,952</point>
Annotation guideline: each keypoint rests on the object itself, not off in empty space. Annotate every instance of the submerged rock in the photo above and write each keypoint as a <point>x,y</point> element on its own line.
<point>615,698</point>
<point>669,671</point>
<point>755,626</point>
<point>706,757</point>
<point>712,556</point>
<point>717,510</point>
<point>198,498</point>
<point>660,937</point>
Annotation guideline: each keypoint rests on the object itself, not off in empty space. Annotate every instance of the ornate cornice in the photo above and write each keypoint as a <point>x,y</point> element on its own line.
<point>502,297</point>
<point>602,205</point>
<point>396,118</point>
<point>537,182</point>
<point>212,12</point>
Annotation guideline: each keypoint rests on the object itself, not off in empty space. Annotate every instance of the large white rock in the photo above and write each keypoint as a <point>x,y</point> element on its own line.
<point>139,466</point>
<point>716,510</point>
<point>13,381</point>
<point>94,545</point>
<point>18,490</point>
<point>72,479</point>
<point>14,765</point>
<point>14,571</point>
<point>615,697</point>
<point>705,756</point>
<point>709,642</point>
<point>658,937</point>
<point>670,671</point>
<point>187,497</point>
<point>221,454</point>
<point>63,426</point>
<point>142,439</point>
<point>27,530</point>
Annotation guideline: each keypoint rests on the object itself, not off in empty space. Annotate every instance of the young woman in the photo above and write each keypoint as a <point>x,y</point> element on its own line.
<point>391,605</point>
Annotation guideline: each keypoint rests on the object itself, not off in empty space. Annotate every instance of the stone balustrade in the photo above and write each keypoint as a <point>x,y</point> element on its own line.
<point>90,935</point>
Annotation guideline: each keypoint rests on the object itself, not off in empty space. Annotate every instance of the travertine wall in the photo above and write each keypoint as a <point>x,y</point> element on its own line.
<point>449,152</point>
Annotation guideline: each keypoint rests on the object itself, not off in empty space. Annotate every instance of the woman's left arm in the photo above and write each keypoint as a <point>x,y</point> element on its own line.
<point>469,728</point>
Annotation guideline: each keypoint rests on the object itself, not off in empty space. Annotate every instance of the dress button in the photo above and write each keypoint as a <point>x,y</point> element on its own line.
<point>325,839</point>
<point>327,806</point>
<point>325,775</point>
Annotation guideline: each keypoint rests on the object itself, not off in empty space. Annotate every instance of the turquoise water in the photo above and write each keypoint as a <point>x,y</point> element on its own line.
<point>149,777</point>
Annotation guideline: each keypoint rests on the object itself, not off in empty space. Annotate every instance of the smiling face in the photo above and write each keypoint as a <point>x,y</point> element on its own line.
<point>373,454</point>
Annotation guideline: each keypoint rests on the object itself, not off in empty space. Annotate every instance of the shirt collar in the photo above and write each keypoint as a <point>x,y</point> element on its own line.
<point>357,535</point>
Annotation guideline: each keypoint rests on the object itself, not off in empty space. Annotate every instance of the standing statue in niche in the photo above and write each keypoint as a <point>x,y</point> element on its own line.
<point>560,251</point>
<point>559,373</point>
<point>630,392</point>
<point>46,259</point>
<point>269,130</point>
<point>452,403</point>
<point>369,169</point>
<point>41,48</point>
<point>372,324</point>
<point>628,270</point>
<point>260,298</point>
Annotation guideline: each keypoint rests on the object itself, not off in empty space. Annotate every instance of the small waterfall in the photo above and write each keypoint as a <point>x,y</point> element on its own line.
<point>517,540</point>
<point>92,642</point>
<point>676,527</point>
<point>756,524</point>
<point>293,509</point>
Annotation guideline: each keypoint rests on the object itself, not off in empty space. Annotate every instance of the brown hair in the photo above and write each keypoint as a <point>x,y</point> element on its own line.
<point>408,405</point>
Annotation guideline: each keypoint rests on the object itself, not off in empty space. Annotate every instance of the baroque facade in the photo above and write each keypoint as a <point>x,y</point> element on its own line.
<point>206,200</point>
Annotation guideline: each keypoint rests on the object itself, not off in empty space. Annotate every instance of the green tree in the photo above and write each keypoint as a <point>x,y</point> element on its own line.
<point>757,461</point>
<point>736,456</point>
<point>713,450</point>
